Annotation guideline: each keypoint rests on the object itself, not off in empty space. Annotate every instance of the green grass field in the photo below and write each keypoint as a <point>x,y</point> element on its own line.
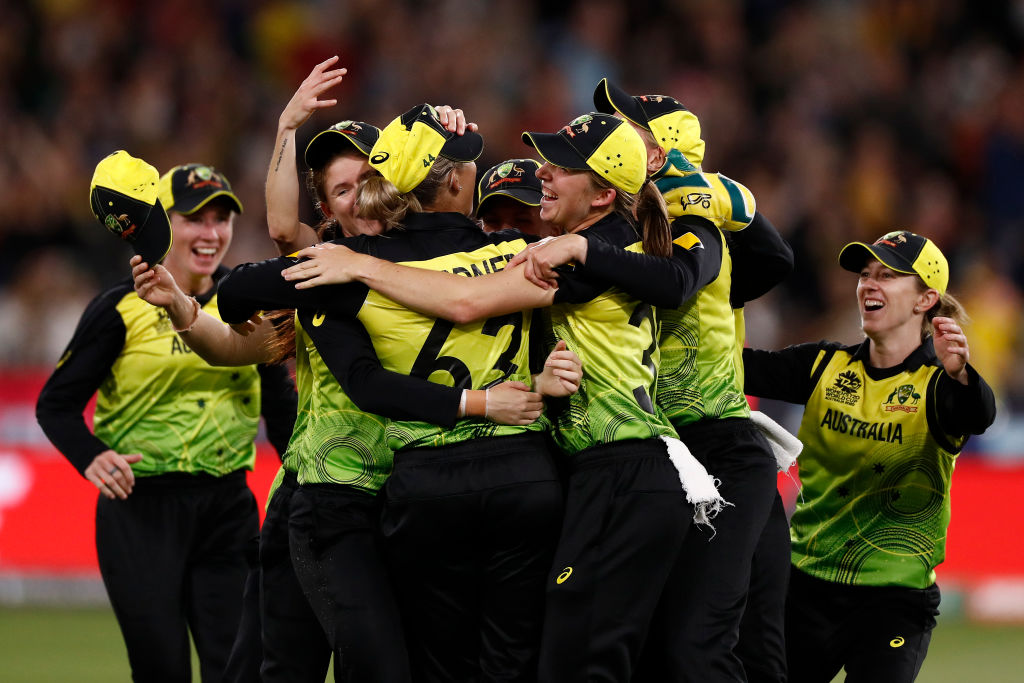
<point>39,645</point>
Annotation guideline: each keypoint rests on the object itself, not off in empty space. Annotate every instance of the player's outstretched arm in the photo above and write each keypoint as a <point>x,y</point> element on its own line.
<point>282,190</point>
<point>434,293</point>
<point>214,341</point>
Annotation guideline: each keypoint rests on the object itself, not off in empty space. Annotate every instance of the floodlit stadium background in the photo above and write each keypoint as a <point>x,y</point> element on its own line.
<point>846,119</point>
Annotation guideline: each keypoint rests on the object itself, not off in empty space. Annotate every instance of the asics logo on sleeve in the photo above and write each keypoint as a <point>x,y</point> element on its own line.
<point>564,576</point>
<point>897,642</point>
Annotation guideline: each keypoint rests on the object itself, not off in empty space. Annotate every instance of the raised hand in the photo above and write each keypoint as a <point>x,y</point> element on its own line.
<point>306,99</point>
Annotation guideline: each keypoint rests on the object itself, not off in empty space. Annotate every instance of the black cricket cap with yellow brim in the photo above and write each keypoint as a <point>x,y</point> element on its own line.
<point>408,147</point>
<point>357,135</point>
<point>596,142</point>
<point>514,178</point>
<point>673,125</point>
<point>124,197</point>
<point>190,187</point>
<point>904,252</point>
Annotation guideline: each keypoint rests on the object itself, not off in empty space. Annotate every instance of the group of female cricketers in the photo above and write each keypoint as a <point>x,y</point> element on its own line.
<point>512,460</point>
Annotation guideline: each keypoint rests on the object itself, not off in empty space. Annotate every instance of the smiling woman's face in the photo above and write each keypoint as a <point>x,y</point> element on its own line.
<point>201,239</point>
<point>567,196</point>
<point>886,299</point>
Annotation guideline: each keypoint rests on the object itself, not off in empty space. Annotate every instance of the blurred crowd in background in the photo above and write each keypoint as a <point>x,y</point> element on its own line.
<point>845,118</point>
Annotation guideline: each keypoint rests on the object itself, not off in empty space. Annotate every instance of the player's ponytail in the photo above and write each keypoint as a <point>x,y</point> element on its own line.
<point>646,208</point>
<point>652,215</point>
<point>378,199</point>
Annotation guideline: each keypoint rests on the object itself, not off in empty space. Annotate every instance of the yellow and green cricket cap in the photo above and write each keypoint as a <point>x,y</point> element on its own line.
<point>514,178</point>
<point>904,252</point>
<point>408,147</point>
<point>190,187</point>
<point>672,124</point>
<point>596,142</point>
<point>341,136</point>
<point>124,197</point>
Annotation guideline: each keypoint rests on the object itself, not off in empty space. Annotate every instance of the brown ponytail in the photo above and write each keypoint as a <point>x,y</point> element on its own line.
<point>647,208</point>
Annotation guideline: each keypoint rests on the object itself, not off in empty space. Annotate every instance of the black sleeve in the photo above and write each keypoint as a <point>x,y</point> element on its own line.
<point>346,348</point>
<point>964,409</point>
<point>86,363</point>
<point>761,259</point>
<point>278,405</point>
<point>253,287</point>
<point>786,375</point>
<point>664,282</point>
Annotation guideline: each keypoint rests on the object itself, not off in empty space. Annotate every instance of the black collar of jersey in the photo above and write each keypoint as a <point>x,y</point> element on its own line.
<point>439,220</point>
<point>218,275</point>
<point>922,355</point>
<point>612,224</point>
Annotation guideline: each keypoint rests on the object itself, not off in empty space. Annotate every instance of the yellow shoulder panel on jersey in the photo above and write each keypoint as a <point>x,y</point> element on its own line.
<point>688,241</point>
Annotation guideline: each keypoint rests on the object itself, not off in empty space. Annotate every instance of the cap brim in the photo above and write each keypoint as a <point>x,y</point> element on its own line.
<point>556,150</point>
<point>610,99</point>
<point>524,195</point>
<point>327,143</point>
<point>854,255</point>
<point>463,148</point>
<point>183,208</point>
<point>154,238</point>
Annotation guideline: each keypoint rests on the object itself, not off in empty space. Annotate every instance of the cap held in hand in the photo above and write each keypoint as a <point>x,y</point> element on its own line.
<point>124,198</point>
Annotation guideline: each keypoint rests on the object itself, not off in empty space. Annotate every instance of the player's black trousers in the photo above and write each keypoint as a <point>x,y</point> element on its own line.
<point>762,646</point>
<point>622,541</point>
<point>470,533</point>
<point>173,560</point>
<point>295,648</point>
<point>875,633</point>
<point>243,665</point>
<point>334,542</point>
<point>698,641</point>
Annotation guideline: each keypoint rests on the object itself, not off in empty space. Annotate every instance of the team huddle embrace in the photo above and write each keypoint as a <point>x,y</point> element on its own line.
<point>517,445</point>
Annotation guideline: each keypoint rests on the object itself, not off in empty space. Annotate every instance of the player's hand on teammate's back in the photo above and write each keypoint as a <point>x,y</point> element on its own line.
<point>325,264</point>
<point>541,258</point>
<point>562,373</point>
<point>112,474</point>
<point>512,403</point>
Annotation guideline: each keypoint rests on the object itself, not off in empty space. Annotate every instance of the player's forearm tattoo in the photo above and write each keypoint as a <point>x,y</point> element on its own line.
<point>280,155</point>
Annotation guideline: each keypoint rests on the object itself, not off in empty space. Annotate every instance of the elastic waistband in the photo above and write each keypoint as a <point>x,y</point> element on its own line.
<point>630,449</point>
<point>159,483</point>
<point>475,448</point>
<point>712,427</point>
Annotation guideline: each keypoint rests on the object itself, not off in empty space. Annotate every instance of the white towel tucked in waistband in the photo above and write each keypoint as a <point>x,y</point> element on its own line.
<point>785,446</point>
<point>700,487</point>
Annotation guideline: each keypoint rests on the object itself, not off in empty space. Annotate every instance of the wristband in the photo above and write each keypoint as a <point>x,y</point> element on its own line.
<point>476,403</point>
<point>195,316</point>
<point>462,404</point>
